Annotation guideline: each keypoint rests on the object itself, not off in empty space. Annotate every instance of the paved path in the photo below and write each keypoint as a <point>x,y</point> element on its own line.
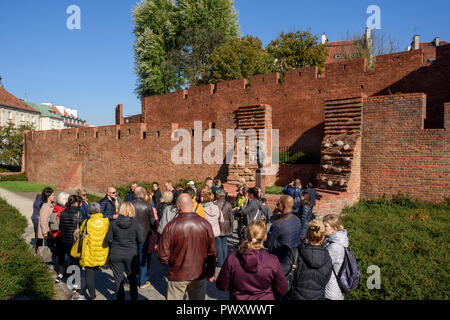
<point>104,281</point>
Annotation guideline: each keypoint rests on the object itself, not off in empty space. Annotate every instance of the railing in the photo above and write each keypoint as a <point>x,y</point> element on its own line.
<point>295,155</point>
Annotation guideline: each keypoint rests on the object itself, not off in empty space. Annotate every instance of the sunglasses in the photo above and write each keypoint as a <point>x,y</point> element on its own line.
<point>84,195</point>
<point>115,192</point>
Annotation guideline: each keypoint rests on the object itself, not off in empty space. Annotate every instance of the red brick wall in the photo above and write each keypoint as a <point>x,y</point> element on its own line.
<point>298,111</point>
<point>288,172</point>
<point>400,156</point>
<point>96,158</point>
<point>298,103</point>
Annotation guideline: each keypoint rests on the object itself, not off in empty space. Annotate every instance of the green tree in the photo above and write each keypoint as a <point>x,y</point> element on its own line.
<point>194,57</point>
<point>155,33</point>
<point>295,50</point>
<point>11,143</point>
<point>203,25</point>
<point>241,58</point>
<point>174,42</point>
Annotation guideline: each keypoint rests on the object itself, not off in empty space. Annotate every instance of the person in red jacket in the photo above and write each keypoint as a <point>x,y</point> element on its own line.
<point>251,273</point>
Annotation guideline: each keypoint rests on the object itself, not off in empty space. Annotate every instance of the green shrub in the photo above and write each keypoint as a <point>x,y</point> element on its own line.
<point>93,198</point>
<point>21,272</point>
<point>409,242</point>
<point>122,190</point>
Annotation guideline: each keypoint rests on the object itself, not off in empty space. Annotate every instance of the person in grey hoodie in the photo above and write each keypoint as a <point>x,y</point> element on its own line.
<point>336,240</point>
<point>125,234</point>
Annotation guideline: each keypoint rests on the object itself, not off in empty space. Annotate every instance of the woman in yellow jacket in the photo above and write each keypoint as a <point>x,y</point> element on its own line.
<point>95,250</point>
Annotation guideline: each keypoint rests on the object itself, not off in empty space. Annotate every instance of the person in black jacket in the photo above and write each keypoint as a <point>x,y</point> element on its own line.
<point>70,220</point>
<point>129,196</point>
<point>313,266</point>
<point>305,214</point>
<point>146,219</point>
<point>125,235</point>
<point>110,204</point>
<point>156,198</point>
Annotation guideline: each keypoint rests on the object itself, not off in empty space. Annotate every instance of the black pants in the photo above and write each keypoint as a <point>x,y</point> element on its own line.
<point>38,242</point>
<point>90,281</point>
<point>127,265</point>
<point>63,249</point>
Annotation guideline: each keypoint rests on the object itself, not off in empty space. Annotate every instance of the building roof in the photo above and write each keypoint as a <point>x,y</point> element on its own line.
<point>56,110</point>
<point>8,100</point>
<point>46,111</point>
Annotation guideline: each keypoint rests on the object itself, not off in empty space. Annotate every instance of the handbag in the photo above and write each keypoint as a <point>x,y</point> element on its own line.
<point>45,253</point>
<point>76,233</point>
<point>77,247</point>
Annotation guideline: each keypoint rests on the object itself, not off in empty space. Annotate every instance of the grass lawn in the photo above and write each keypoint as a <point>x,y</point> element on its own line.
<point>23,186</point>
<point>21,273</point>
<point>274,190</point>
<point>409,241</point>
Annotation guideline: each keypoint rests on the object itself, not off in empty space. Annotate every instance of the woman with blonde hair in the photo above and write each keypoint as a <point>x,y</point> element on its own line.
<point>125,235</point>
<point>336,240</point>
<point>250,273</point>
<point>308,266</point>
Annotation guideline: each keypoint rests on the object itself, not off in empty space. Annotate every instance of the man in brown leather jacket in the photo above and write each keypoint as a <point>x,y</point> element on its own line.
<point>187,245</point>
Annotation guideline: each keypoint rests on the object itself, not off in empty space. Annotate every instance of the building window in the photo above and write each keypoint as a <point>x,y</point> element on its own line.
<point>9,115</point>
<point>338,56</point>
<point>22,117</point>
<point>33,119</point>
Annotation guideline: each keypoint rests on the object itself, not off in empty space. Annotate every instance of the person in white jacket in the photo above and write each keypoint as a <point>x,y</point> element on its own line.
<point>336,241</point>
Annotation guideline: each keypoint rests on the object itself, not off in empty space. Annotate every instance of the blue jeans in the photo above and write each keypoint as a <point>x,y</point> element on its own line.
<point>144,262</point>
<point>222,249</point>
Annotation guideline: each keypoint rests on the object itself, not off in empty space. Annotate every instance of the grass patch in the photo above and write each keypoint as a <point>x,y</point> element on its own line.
<point>23,186</point>
<point>15,177</point>
<point>21,273</point>
<point>274,190</point>
<point>408,241</point>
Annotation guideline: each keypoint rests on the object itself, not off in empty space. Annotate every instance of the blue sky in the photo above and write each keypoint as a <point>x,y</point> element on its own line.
<point>92,69</point>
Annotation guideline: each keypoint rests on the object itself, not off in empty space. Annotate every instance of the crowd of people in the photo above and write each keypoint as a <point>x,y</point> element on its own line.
<point>284,254</point>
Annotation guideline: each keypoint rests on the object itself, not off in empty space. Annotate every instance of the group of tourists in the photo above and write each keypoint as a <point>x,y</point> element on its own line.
<point>286,254</point>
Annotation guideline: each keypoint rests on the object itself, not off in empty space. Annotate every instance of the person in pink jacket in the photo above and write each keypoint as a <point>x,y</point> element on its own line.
<point>251,273</point>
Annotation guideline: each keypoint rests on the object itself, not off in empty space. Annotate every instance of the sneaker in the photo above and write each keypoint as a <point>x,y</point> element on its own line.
<point>58,279</point>
<point>145,285</point>
<point>78,297</point>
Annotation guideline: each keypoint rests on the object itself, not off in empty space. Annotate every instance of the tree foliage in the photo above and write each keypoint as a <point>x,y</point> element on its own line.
<point>155,33</point>
<point>174,42</point>
<point>241,58</point>
<point>295,50</point>
<point>11,143</point>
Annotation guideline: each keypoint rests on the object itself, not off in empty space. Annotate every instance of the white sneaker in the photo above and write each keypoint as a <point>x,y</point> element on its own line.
<point>78,297</point>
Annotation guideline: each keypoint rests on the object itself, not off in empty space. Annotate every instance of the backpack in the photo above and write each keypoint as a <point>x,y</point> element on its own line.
<point>54,222</point>
<point>349,274</point>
